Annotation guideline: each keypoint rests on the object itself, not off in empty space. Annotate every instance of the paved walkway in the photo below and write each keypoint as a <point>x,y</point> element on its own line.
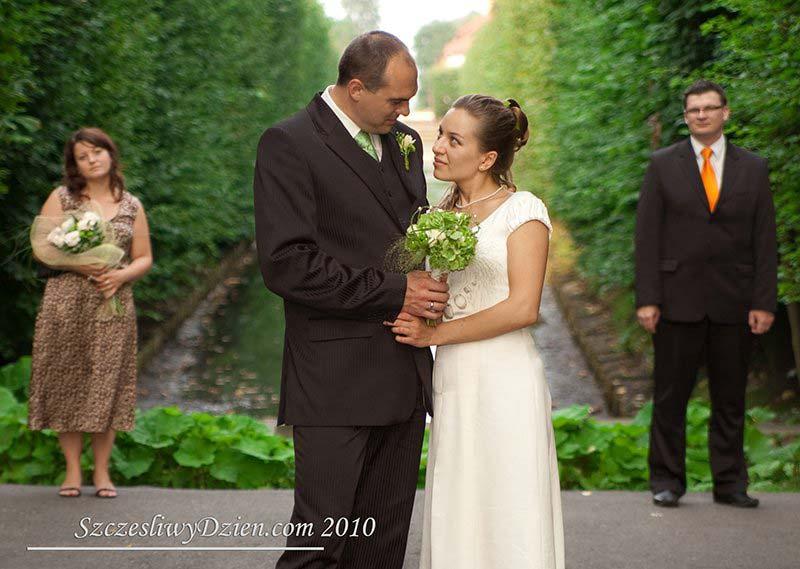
<point>567,372</point>
<point>604,530</point>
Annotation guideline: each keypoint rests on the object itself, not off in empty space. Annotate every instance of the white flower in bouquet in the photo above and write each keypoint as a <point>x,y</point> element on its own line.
<point>56,237</point>
<point>72,238</point>
<point>88,221</point>
<point>68,224</point>
<point>434,236</point>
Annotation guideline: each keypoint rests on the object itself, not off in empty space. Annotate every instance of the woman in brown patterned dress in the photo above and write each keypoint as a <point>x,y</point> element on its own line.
<point>83,376</point>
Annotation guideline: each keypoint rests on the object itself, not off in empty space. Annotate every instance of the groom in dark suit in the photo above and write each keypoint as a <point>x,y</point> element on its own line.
<point>333,192</point>
<point>706,283</point>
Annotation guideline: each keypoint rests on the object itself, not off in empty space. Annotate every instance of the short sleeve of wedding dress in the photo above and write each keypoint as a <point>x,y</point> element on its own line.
<point>527,207</point>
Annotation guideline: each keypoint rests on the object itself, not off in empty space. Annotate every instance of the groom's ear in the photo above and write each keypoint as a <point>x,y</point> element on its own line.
<point>355,88</point>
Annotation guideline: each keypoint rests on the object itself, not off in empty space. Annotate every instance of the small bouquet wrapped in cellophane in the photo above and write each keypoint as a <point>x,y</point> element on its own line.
<point>78,238</point>
<point>444,239</point>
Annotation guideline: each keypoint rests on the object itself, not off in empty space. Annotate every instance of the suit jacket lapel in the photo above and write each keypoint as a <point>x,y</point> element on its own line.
<point>337,138</point>
<point>688,162</point>
<point>730,172</point>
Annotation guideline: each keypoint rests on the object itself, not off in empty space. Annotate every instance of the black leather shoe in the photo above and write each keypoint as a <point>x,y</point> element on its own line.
<point>737,499</point>
<point>666,499</point>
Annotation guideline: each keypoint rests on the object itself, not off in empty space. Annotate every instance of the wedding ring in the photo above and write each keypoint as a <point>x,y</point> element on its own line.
<point>432,308</point>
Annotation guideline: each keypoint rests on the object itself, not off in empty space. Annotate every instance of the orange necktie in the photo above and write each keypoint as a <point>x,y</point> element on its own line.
<point>709,179</point>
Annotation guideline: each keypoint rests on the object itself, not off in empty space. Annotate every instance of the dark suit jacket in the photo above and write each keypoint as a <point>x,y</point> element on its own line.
<point>693,263</point>
<point>324,224</point>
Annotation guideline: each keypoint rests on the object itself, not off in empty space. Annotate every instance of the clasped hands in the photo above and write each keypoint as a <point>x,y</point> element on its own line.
<point>105,279</point>
<point>425,300</point>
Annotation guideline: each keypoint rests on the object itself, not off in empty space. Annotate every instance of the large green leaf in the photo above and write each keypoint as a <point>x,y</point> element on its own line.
<point>159,427</point>
<point>195,451</point>
<point>132,461</point>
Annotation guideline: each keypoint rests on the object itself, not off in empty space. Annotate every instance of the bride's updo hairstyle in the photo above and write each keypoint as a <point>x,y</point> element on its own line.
<point>503,128</point>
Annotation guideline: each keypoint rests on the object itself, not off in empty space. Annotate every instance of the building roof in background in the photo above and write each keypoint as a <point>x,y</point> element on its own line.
<point>454,52</point>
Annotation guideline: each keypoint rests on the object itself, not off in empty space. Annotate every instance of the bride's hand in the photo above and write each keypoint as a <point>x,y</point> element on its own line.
<point>411,330</point>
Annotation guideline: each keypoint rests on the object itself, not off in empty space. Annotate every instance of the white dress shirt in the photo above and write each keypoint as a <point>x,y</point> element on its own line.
<point>717,157</point>
<point>348,123</point>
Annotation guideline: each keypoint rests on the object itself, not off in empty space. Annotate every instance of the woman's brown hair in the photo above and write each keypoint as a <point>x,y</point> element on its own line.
<point>73,180</point>
<point>503,128</point>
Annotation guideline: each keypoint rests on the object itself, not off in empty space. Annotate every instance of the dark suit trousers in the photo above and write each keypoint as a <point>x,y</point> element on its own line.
<point>355,472</point>
<point>680,350</point>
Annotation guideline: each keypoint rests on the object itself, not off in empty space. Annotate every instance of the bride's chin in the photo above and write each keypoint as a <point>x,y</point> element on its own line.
<point>440,176</point>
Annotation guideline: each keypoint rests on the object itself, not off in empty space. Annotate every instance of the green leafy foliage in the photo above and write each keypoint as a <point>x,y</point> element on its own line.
<point>444,88</point>
<point>185,88</point>
<point>511,58</point>
<point>198,450</point>
<point>166,448</point>
<point>613,456</point>
<point>759,57</point>
<point>15,377</point>
<point>602,82</point>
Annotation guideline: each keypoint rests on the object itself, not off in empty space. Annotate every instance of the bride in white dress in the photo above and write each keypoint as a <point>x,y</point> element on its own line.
<point>492,494</point>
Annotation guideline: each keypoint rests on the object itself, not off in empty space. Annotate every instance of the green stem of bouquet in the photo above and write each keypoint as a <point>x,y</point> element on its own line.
<point>111,308</point>
<point>116,307</point>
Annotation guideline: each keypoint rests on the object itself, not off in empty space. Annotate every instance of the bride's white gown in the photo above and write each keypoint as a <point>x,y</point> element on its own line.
<point>492,493</point>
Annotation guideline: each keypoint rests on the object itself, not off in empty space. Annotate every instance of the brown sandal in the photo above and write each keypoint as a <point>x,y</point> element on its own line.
<point>69,489</point>
<point>99,495</point>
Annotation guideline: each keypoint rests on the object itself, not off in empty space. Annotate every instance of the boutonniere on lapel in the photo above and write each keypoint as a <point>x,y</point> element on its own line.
<point>407,146</point>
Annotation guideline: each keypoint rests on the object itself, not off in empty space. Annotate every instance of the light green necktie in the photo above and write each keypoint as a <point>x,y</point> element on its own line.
<point>364,140</point>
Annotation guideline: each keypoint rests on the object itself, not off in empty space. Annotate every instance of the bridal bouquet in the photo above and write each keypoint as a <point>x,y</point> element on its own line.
<point>444,239</point>
<point>79,239</point>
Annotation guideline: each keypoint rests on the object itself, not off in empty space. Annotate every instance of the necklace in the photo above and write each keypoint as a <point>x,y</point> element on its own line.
<point>494,193</point>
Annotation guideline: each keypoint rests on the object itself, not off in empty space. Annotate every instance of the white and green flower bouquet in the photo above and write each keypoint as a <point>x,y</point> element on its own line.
<point>445,240</point>
<point>79,232</point>
<point>79,238</point>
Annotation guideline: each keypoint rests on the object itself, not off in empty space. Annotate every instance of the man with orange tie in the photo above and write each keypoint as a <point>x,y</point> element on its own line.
<point>706,283</point>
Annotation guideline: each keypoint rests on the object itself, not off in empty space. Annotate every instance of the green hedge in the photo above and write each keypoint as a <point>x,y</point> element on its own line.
<point>603,81</point>
<point>510,58</point>
<point>445,87</point>
<point>184,87</point>
<point>198,450</point>
<point>759,58</point>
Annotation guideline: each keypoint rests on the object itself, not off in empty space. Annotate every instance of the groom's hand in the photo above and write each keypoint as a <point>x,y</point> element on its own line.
<point>425,297</point>
<point>648,317</point>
